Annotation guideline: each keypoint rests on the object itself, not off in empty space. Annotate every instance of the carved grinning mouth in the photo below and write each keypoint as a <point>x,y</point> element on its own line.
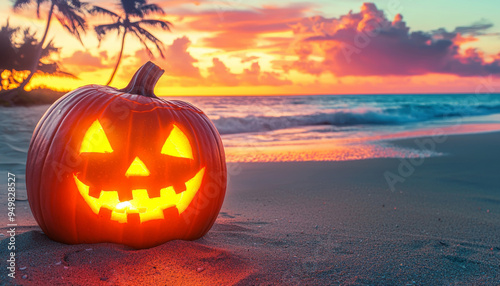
<point>147,208</point>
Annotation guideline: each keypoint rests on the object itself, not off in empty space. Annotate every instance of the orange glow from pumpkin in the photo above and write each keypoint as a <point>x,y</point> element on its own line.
<point>147,208</point>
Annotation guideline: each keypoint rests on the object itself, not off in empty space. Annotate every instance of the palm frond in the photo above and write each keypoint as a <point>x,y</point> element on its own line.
<point>143,42</point>
<point>71,18</point>
<point>49,49</point>
<point>102,30</point>
<point>78,4</point>
<point>150,37</point>
<point>70,26</point>
<point>65,74</point>
<point>96,10</point>
<point>132,7</point>
<point>164,25</point>
<point>21,3</point>
<point>151,9</point>
<point>38,3</point>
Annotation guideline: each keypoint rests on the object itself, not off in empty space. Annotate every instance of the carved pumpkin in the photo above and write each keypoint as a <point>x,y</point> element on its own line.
<point>124,166</point>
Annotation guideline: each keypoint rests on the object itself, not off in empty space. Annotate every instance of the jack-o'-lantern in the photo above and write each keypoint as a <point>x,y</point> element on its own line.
<point>124,166</point>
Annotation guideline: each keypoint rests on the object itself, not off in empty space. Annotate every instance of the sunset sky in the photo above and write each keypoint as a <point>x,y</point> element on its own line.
<point>235,47</point>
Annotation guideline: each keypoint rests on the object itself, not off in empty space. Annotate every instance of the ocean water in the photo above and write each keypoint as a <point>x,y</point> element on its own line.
<point>343,127</point>
<point>303,128</point>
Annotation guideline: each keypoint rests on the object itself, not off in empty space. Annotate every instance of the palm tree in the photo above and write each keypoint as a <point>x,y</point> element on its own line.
<point>130,20</point>
<point>70,13</point>
<point>17,51</point>
<point>7,46</point>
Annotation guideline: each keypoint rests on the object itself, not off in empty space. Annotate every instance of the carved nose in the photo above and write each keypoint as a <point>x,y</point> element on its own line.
<point>137,168</point>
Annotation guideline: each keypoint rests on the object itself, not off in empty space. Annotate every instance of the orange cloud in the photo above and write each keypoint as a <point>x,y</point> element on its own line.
<point>240,29</point>
<point>219,74</point>
<point>178,64</point>
<point>254,76</point>
<point>245,59</point>
<point>173,3</point>
<point>85,61</point>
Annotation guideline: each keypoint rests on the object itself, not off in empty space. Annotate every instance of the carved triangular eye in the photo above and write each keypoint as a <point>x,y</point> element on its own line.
<point>177,144</point>
<point>95,140</point>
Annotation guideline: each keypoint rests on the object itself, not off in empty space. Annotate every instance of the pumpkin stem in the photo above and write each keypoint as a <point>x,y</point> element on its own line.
<point>144,80</point>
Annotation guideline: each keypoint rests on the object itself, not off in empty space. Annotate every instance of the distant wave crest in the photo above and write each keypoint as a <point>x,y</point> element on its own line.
<point>351,117</point>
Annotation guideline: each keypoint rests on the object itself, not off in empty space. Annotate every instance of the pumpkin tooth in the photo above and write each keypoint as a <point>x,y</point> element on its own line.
<point>94,192</point>
<point>124,196</point>
<point>170,212</point>
<point>105,213</point>
<point>154,193</point>
<point>133,218</point>
<point>179,188</point>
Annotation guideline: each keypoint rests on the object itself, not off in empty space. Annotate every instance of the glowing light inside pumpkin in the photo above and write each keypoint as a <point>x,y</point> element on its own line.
<point>137,168</point>
<point>95,140</point>
<point>122,207</point>
<point>177,145</point>
<point>147,208</point>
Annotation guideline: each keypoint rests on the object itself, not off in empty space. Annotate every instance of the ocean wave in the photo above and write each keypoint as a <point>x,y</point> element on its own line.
<point>403,114</point>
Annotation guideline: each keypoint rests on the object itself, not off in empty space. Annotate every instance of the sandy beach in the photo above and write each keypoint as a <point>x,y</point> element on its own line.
<point>311,223</point>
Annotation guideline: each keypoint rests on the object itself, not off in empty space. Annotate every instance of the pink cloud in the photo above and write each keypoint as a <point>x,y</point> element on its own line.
<point>367,43</point>
<point>220,74</point>
<point>178,61</point>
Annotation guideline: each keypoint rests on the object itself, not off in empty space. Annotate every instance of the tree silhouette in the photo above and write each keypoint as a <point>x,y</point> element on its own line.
<point>17,53</point>
<point>71,15</point>
<point>131,20</point>
<point>7,46</point>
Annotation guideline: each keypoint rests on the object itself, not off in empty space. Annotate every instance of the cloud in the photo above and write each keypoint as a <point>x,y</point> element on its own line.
<point>85,61</point>
<point>367,43</point>
<point>178,61</point>
<point>173,3</point>
<point>245,59</point>
<point>178,64</point>
<point>475,29</point>
<point>219,74</point>
<point>241,29</point>
<point>104,55</point>
<point>254,76</point>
